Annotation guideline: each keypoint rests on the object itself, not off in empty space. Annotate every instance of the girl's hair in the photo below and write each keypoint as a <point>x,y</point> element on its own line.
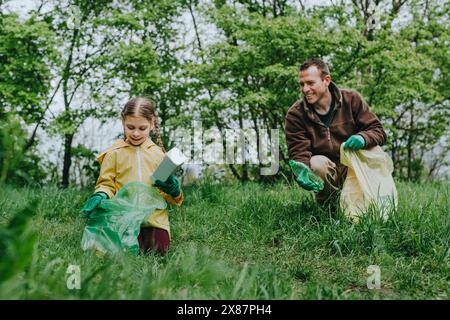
<point>144,107</point>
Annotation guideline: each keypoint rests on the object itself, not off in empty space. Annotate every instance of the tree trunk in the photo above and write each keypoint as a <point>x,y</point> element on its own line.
<point>394,155</point>
<point>191,11</point>
<point>274,8</point>
<point>410,145</point>
<point>30,141</point>
<point>244,175</point>
<point>67,159</point>
<point>234,171</point>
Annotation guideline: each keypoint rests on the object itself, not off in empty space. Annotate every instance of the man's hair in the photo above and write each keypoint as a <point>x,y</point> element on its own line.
<point>320,65</point>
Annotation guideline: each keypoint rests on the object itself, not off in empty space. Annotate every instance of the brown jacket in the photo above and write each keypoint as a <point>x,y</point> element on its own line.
<point>306,135</point>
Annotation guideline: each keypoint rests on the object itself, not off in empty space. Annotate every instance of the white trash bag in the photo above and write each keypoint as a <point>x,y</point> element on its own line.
<point>369,182</point>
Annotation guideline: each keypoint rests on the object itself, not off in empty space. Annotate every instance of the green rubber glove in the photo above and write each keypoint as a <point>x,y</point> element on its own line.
<point>171,186</point>
<point>355,142</point>
<point>305,177</point>
<point>93,201</point>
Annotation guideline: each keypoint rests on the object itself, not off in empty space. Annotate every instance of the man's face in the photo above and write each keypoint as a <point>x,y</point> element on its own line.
<point>312,86</point>
<point>136,129</point>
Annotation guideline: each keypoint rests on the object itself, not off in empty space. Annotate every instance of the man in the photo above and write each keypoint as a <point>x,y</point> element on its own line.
<point>318,124</point>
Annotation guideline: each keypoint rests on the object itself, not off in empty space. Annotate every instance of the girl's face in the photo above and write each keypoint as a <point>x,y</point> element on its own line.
<point>136,129</point>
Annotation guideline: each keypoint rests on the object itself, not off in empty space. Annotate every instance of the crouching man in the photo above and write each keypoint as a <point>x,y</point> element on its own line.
<point>317,125</point>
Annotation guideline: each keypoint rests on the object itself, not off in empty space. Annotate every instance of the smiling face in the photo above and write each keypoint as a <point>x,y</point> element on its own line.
<point>136,129</point>
<point>313,86</point>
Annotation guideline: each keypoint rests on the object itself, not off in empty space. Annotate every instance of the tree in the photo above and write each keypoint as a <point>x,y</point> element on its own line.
<point>26,49</point>
<point>402,74</point>
<point>145,58</point>
<point>251,75</point>
<point>26,54</point>
<point>111,49</point>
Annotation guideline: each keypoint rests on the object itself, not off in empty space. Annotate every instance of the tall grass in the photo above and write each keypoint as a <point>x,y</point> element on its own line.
<point>233,241</point>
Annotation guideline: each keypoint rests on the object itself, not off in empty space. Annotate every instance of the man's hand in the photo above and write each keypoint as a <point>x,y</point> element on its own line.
<point>355,142</point>
<point>171,186</point>
<point>305,177</point>
<point>93,201</point>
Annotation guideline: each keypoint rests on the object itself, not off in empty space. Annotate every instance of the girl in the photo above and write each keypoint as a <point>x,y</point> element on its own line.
<point>135,158</point>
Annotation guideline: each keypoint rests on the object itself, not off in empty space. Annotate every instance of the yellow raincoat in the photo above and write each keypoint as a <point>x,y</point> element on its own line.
<point>123,163</point>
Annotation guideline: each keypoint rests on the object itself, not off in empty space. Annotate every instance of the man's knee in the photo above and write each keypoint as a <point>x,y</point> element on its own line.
<point>376,148</point>
<point>320,165</point>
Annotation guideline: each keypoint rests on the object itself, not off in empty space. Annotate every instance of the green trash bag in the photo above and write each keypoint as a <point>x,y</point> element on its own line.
<point>114,225</point>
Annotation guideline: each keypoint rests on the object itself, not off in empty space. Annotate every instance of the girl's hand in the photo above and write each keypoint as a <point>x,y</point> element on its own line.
<point>93,201</point>
<point>171,186</point>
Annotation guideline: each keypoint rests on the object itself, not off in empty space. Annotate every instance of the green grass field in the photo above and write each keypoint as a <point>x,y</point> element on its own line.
<point>232,241</point>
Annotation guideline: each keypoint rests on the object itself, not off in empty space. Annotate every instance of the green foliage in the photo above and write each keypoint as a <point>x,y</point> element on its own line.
<point>110,50</point>
<point>11,142</point>
<point>16,167</point>
<point>250,73</point>
<point>26,52</point>
<point>26,55</point>
<point>17,242</point>
<point>145,57</point>
<point>138,64</point>
<point>243,74</point>
<point>86,165</point>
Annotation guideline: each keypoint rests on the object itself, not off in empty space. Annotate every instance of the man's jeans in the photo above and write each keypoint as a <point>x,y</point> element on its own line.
<point>332,174</point>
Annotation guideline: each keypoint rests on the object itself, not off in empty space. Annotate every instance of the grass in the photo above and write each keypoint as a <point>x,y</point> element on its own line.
<point>233,241</point>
